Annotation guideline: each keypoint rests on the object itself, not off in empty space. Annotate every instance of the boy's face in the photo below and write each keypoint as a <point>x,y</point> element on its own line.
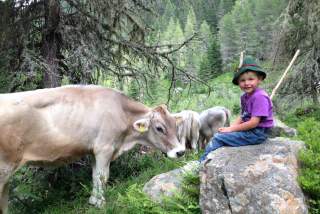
<point>249,81</point>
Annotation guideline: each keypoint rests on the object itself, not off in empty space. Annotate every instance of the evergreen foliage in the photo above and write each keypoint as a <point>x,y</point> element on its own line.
<point>133,90</point>
<point>299,30</point>
<point>224,7</point>
<point>229,39</point>
<point>75,39</point>
<point>191,25</point>
<point>205,34</point>
<point>249,26</point>
<point>211,65</point>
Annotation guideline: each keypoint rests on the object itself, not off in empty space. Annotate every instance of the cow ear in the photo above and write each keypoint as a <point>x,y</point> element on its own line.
<point>141,125</point>
<point>178,120</point>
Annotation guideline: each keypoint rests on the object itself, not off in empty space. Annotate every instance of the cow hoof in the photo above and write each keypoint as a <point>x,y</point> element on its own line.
<point>97,202</point>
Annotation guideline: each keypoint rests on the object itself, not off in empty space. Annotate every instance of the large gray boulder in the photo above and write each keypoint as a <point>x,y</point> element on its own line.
<point>165,184</point>
<point>169,183</point>
<point>282,130</point>
<point>252,179</point>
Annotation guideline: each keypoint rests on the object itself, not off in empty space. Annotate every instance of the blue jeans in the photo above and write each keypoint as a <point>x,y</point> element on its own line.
<point>234,139</point>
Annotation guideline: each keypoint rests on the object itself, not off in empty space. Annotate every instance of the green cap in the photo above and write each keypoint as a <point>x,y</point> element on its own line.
<point>248,64</point>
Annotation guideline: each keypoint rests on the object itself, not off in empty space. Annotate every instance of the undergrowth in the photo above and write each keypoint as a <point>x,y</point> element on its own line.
<point>67,189</point>
<point>307,121</point>
<point>186,201</point>
<point>309,176</point>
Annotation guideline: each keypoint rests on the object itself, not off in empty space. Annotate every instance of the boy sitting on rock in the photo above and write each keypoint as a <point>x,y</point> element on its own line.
<point>256,111</point>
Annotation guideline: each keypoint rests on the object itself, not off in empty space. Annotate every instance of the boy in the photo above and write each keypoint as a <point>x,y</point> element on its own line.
<point>256,111</point>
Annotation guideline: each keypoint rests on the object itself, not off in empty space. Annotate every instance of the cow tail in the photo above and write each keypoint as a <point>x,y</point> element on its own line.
<point>228,115</point>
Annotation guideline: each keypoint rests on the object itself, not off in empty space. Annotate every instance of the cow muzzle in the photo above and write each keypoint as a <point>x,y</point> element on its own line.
<point>176,152</point>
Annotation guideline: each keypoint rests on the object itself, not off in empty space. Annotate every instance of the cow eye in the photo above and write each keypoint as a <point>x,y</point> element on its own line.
<point>160,129</point>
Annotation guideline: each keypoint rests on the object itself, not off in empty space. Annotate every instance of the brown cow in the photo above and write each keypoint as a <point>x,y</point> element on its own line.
<point>58,125</point>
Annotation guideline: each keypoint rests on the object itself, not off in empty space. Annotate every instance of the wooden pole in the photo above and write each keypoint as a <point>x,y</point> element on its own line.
<point>284,74</point>
<point>241,58</point>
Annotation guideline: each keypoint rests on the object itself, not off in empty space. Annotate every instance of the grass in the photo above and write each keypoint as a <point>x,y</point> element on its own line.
<point>306,120</point>
<point>34,192</point>
<point>309,175</point>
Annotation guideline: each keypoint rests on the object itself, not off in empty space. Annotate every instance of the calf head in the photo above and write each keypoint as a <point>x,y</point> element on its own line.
<point>159,130</point>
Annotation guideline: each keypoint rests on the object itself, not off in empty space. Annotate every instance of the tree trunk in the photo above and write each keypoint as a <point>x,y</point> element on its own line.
<point>314,91</point>
<point>314,79</point>
<point>51,44</point>
<point>315,98</point>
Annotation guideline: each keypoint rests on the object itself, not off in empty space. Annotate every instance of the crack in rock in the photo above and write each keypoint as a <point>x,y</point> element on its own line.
<point>225,193</point>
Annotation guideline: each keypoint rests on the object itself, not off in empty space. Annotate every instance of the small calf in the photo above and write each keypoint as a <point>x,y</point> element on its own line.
<point>210,120</point>
<point>188,125</point>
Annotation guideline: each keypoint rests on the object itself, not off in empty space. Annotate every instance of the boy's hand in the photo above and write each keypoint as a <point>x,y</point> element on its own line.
<point>225,129</point>
<point>252,123</point>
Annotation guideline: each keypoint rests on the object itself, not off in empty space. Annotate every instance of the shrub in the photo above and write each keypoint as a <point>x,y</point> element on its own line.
<point>309,132</point>
<point>67,189</point>
<point>32,190</point>
<point>309,176</point>
<point>302,113</point>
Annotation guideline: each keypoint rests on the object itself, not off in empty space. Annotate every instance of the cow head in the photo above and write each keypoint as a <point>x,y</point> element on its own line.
<point>159,127</point>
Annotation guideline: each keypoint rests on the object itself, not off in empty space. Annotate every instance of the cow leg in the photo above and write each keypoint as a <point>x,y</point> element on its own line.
<point>194,141</point>
<point>201,141</point>
<point>100,175</point>
<point>5,171</point>
<point>194,144</point>
<point>183,142</point>
<point>4,188</point>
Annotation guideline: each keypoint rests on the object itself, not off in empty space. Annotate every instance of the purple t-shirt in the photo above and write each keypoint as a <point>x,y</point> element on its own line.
<point>258,104</point>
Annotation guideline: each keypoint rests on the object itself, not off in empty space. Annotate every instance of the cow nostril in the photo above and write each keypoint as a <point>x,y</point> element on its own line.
<point>179,154</point>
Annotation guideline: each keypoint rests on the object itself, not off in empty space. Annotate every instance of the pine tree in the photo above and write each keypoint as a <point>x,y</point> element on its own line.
<point>168,14</point>
<point>224,7</point>
<point>211,65</point>
<point>192,55</point>
<point>178,35</point>
<point>191,25</point>
<point>205,34</point>
<point>229,39</point>
<point>246,26</point>
<point>177,38</point>
<point>249,26</point>
<point>182,10</point>
<point>170,30</point>
<point>206,37</point>
<point>266,13</point>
